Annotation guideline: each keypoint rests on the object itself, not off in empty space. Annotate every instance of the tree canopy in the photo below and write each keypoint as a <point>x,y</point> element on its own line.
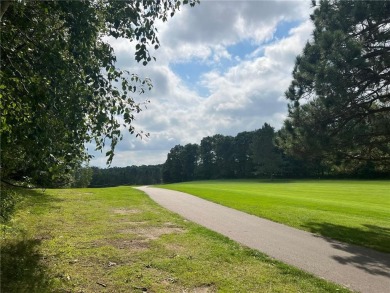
<point>60,85</point>
<point>249,154</point>
<point>339,111</point>
<point>265,155</point>
<point>131,175</point>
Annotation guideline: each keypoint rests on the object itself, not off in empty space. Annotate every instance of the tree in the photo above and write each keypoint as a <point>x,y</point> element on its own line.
<point>339,111</point>
<point>266,157</point>
<point>131,175</point>
<point>60,86</point>
<point>173,167</point>
<point>189,159</point>
<point>224,156</point>
<point>243,163</point>
<point>82,176</point>
<point>181,163</point>
<point>207,158</point>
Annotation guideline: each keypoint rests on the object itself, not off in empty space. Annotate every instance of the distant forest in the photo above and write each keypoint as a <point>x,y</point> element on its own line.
<point>132,175</point>
<point>248,155</point>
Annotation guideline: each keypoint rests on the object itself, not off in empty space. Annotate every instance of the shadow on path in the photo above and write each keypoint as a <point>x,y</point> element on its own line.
<point>371,261</point>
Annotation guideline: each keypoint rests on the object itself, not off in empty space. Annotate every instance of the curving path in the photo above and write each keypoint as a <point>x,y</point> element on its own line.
<point>354,267</point>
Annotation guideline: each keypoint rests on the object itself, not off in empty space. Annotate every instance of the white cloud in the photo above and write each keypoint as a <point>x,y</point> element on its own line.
<point>241,96</point>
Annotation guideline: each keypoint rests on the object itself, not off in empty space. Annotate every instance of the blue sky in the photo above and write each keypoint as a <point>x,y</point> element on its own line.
<point>222,68</point>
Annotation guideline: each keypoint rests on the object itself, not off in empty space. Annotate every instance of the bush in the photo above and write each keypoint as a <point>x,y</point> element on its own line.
<point>8,200</point>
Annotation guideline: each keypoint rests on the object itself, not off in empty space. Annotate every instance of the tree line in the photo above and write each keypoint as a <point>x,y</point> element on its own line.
<point>131,175</point>
<point>251,154</point>
<point>248,155</point>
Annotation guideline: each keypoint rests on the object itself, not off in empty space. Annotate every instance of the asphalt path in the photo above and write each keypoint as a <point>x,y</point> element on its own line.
<point>357,268</point>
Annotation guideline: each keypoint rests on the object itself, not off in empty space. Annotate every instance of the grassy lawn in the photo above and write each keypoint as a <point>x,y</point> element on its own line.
<point>118,240</point>
<point>356,212</point>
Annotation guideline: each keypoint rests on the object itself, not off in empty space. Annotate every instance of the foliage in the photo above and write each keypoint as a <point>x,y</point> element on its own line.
<point>60,86</point>
<point>211,159</point>
<point>8,200</point>
<point>131,175</point>
<point>247,155</point>
<point>217,157</point>
<point>242,160</point>
<point>82,176</point>
<point>339,112</point>
<point>173,169</point>
<point>207,158</point>
<point>252,154</point>
<point>266,156</point>
<point>181,163</point>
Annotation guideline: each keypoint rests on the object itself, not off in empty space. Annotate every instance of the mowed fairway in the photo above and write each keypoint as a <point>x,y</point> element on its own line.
<point>356,212</point>
<point>118,240</point>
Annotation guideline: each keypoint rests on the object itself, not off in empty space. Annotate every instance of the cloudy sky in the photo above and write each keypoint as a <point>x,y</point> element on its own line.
<point>222,68</point>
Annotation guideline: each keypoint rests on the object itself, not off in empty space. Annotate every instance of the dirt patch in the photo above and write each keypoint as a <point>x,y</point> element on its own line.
<point>202,289</point>
<point>125,211</point>
<point>134,244</point>
<point>138,235</point>
<point>155,233</point>
<point>126,221</point>
<point>152,233</point>
<point>43,237</point>
<point>171,225</point>
<point>174,247</point>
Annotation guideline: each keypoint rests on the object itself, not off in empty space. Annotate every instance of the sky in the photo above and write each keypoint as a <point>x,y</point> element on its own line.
<point>222,68</point>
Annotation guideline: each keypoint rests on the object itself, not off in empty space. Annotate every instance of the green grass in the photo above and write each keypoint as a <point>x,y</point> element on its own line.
<point>356,212</point>
<point>118,240</point>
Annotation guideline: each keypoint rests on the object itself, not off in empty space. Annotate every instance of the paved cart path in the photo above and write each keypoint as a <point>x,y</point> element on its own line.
<point>357,268</point>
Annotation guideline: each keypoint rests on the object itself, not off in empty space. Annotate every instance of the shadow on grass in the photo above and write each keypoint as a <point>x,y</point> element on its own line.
<point>22,267</point>
<point>41,196</point>
<point>374,237</point>
<point>42,201</point>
